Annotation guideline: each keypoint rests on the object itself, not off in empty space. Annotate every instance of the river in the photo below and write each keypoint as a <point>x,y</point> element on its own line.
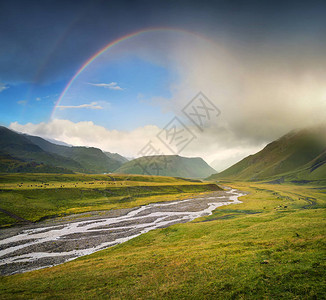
<point>51,243</point>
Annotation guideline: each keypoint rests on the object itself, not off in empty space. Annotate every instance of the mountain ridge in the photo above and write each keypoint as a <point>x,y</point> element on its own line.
<point>92,159</point>
<point>168,165</point>
<point>27,149</point>
<point>296,156</point>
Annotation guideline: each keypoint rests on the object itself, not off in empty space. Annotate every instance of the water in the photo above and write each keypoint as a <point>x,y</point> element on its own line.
<point>44,245</point>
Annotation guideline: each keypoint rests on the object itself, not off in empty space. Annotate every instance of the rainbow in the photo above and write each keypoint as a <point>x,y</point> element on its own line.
<point>112,44</point>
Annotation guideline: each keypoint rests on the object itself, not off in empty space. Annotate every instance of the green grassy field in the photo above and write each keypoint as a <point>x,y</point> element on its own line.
<point>34,197</point>
<point>271,246</point>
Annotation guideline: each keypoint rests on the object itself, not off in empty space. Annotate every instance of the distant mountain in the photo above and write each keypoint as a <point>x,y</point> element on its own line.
<point>53,141</point>
<point>297,156</point>
<point>116,157</point>
<point>18,146</point>
<point>28,148</point>
<point>168,165</point>
<point>92,160</point>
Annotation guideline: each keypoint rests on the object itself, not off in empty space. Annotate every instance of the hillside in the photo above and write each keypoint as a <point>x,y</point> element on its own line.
<point>18,146</point>
<point>117,157</point>
<point>93,160</point>
<point>168,165</point>
<point>9,164</point>
<point>298,155</point>
<point>40,151</point>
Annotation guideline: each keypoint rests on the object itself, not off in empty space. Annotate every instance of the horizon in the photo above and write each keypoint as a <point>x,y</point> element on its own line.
<point>129,159</point>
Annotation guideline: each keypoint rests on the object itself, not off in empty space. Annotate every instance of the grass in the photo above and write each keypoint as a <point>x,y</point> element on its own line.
<point>35,197</point>
<point>297,156</point>
<point>271,246</point>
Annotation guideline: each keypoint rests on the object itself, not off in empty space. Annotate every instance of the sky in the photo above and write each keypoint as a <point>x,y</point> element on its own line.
<point>259,66</point>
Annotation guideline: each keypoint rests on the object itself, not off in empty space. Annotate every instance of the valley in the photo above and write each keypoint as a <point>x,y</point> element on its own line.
<point>163,150</point>
<point>255,230</point>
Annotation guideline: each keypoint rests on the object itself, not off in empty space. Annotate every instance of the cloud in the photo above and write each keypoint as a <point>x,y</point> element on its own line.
<point>127,143</point>
<point>77,29</point>
<point>111,86</point>
<point>46,97</point>
<point>93,105</point>
<point>262,93</point>
<point>22,102</point>
<point>3,87</point>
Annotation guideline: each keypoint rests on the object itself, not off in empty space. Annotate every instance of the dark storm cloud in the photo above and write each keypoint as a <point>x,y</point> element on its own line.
<point>49,40</point>
<point>52,38</point>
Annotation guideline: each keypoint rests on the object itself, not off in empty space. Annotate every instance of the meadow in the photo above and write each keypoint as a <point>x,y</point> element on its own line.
<point>34,197</point>
<point>271,246</point>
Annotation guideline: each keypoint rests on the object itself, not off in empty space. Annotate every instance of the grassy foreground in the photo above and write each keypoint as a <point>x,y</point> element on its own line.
<point>33,197</point>
<point>271,246</point>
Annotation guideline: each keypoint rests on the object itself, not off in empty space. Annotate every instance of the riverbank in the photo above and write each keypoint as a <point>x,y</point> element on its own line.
<point>59,240</point>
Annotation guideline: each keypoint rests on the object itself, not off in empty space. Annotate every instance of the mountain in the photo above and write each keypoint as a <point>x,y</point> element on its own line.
<point>9,164</point>
<point>297,156</point>
<point>28,148</point>
<point>92,160</point>
<point>168,165</point>
<point>20,147</point>
<point>116,157</point>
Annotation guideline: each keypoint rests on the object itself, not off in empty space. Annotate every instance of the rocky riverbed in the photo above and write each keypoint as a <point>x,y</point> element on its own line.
<point>54,242</point>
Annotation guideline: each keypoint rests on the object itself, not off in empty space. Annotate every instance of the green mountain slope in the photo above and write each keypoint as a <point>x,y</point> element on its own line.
<point>19,147</point>
<point>315,170</point>
<point>40,151</point>
<point>168,165</point>
<point>116,157</point>
<point>9,164</point>
<point>92,160</point>
<point>299,155</point>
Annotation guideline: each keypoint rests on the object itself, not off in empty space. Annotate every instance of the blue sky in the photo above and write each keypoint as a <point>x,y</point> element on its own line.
<point>26,102</point>
<point>127,104</point>
<point>124,108</point>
